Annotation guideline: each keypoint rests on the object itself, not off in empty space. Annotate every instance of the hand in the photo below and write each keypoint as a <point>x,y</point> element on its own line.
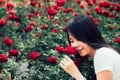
<point>68,65</point>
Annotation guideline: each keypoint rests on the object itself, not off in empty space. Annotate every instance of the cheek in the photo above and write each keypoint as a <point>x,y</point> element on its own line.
<point>83,52</point>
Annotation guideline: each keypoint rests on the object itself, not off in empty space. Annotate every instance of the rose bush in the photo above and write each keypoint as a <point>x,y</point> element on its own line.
<point>34,32</point>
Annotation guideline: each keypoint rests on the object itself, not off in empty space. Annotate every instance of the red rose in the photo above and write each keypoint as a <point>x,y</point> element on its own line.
<point>82,6</point>
<point>106,13</point>
<point>13,52</point>
<point>118,7</point>
<point>112,6</point>
<point>70,50</point>
<point>78,1</point>
<point>95,1</point>
<point>76,62</point>
<point>104,4</point>
<point>10,6</point>
<point>51,12</point>
<point>75,14</point>
<point>3,58</point>
<point>47,0</point>
<point>96,21</point>
<point>98,10</point>
<point>32,3</point>
<point>0,71</point>
<point>111,27</point>
<point>56,7</point>
<point>71,10</point>
<point>113,15</point>
<point>39,4</point>
<point>12,12</point>
<point>88,12</point>
<point>117,40</point>
<point>60,49</point>
<point>55,30</point>
<point>17,24</point>
<point>2,22</point>
<point>91,17</point>
<point>1,34</point>
<point>34,55</point>
<point>61,2</point>
<point>31,15</point>
<point>52,60</point>
<point>65,20</point>
<point>33,24</point>
<point>51,17</point>
<point>28,29</point>
<point>38,35</point>
<point>11,17</point>
<point>14,17</point>
<point>65,10</point>
<point>2,1</point>
<point>44,27</point>
<point>89,3</point>
<point>64,29</point>
<point>8,41</point>
<point>38,13</point>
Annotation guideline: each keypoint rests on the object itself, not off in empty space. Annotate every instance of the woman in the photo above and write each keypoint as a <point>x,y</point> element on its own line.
<point>84,36</point>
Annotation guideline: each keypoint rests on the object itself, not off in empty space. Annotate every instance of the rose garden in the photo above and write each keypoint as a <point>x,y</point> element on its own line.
<point>33,36</point>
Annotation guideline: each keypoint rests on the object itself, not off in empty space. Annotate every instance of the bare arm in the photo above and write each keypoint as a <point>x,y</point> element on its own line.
<point>68,65</point>
<point>104,75</point>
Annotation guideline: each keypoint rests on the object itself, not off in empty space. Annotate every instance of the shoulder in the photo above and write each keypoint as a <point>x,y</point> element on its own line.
<point>105,52</point>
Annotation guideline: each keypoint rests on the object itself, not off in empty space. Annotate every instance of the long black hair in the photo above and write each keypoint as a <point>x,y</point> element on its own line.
<point>84,29</point>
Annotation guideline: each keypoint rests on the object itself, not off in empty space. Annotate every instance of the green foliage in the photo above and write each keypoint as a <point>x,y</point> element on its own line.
<point>45,40</point>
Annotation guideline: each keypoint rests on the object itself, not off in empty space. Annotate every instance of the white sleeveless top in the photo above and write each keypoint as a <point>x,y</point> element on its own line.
<point>107,59</point>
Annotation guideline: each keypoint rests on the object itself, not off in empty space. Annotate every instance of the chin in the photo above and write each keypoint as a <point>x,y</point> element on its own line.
<point>82,54</point>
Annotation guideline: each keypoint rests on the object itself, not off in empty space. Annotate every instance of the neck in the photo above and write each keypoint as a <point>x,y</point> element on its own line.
<point>92,52</point>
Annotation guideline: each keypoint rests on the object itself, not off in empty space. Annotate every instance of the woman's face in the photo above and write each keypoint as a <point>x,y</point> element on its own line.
<point>82,48</point>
